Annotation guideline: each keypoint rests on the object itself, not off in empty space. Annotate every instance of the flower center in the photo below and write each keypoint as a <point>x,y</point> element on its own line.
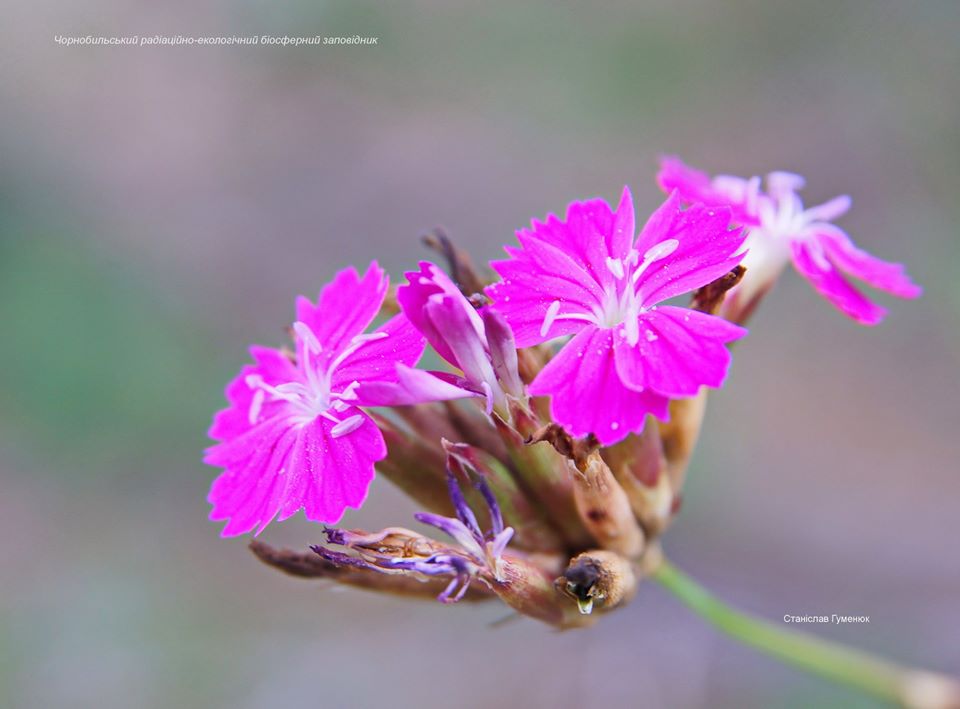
<point>622,301</point>
<point>313,397</point>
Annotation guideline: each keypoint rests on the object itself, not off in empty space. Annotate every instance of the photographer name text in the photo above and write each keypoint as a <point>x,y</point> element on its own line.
<point>833,619</point>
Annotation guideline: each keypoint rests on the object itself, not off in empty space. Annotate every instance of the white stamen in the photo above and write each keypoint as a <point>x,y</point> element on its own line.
<point>329,417</point>
<point>661,250</point>
<point>348,394</point>
<point>307,337</point>
<point>616,266</point>
<point>348,425</point>
<point>291,388</point>
<point>256,404</point>
<point>549,318</point>
<point>655,253</point>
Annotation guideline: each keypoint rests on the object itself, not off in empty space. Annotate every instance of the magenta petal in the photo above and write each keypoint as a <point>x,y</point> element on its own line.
<point>346,306</point>
<point>275,368</point>
<point>679,350</point>
<point>706,249</point>
<point>465,344</point>
<point>816,268</point>
<point>537,275</point>
<point>377,359</point>
<point>250,491</point>
<point>414,386</point>
<point>332,473</point>
<point>283,466</point>
<point>884,275</point>
<point>503,351</point>
<point>587,394</point>
<point>427,285</point>
<point>624,227</point>
<point>587,234</point>
<point>696,186</point>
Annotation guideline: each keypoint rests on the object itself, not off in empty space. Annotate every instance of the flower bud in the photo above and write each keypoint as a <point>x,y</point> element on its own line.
<point>639,465</point>
<point>600,501</point>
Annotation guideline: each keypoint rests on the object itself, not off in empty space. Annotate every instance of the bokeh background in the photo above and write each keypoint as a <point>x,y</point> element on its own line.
<point>161,207</point>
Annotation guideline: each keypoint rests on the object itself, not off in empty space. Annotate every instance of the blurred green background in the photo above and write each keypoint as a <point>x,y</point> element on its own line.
<point>161,207</point>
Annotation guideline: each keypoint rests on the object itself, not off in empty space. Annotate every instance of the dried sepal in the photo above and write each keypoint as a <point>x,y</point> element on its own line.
<point>343,571</point>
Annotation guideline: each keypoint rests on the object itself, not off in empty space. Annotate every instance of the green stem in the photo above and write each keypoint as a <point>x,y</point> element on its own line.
<point>831,660</point>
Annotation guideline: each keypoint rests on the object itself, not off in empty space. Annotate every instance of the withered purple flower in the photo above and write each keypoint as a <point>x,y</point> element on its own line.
<point>476,554</point>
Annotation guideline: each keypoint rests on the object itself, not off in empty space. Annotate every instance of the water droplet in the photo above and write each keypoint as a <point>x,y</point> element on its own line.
<point>614,425</point>
<point>652,336</point>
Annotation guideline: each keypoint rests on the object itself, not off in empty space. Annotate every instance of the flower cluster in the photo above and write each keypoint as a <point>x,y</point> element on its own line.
<point>568,410</point>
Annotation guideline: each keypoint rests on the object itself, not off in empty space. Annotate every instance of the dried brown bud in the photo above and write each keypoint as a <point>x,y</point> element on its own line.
<point>529,589</point>
<point>709,298</point>
<point>459,263</point>
<point>598,579</point>
<point>605,509</point>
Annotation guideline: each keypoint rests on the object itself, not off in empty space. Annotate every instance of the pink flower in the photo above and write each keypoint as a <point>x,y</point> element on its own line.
<point>292,436</point>
<point>479,343</point>
<point>780,230</point>
<point>591,278</point>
